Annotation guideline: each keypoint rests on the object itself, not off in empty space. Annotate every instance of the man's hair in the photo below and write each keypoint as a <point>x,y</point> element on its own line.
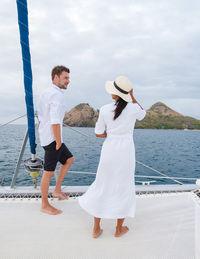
<point>58,71</point>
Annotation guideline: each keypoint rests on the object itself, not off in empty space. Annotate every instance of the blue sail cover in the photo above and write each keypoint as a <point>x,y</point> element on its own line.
<point>24,39</point>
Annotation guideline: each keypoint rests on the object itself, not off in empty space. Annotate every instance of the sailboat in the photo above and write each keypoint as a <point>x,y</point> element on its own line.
<point>167,222</point>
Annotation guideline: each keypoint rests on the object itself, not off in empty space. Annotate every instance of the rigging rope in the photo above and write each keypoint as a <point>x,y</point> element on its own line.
<point>140,176</point>
<point>159,172</point>
<point>137,176</point>
<point>81,133</point>
<point>4,124</point>
<point>168,177</point>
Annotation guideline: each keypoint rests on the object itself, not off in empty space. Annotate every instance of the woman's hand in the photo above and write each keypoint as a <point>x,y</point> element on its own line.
<point>133,98</point>
<point>131,92</point>
<point>104,135</point>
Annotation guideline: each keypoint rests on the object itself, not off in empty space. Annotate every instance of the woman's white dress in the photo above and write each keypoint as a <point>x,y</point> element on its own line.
<point>112,194</point>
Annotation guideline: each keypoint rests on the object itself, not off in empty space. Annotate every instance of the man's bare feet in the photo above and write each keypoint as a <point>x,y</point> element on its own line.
<point>122,231</point>
<point>50,210</point>
<point>97,233</point>
<point>60,196</point>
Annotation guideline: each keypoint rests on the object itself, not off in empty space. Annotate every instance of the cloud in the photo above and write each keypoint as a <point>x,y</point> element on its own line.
<point>185,106</point>
<point>154,43</point>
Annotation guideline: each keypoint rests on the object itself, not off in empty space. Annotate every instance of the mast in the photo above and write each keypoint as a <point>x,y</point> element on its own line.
<point>26,57</point>
<point>32,165</point>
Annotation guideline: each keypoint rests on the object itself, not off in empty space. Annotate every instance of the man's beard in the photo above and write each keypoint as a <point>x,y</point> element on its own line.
<point>62,86</point>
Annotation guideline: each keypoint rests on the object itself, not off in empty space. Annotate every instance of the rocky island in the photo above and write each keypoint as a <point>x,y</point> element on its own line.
<point>81,115</point>
<point>159,116</point>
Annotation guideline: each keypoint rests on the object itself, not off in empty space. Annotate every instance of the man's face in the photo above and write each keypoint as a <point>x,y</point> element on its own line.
<point>63,80</point>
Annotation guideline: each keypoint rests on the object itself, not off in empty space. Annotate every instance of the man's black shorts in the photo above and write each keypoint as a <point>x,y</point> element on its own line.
<point>52,156</point>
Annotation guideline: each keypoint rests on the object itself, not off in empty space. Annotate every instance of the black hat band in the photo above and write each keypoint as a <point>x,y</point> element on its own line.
<point>119,89</point>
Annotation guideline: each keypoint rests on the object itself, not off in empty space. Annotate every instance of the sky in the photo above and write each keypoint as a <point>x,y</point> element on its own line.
<point>155,43</point>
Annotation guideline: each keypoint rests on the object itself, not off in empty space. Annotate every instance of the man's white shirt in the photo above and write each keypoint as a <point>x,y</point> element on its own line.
<point>50,110</point>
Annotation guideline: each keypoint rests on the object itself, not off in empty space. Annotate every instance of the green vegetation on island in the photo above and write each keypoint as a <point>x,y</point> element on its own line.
<point>160,116</point>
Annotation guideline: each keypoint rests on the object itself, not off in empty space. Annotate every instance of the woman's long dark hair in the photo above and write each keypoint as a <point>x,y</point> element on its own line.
<point>120,105</point>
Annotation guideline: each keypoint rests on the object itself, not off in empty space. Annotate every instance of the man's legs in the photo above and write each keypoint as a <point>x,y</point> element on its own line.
<point>120,230</point>
<point>61,174</point>
<point>44,186</point>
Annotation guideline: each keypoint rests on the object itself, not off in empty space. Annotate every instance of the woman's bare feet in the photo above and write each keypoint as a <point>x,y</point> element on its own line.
<point>50,210</point>
<point>60,196</point>
<point>122,231</point>
<point>97,233</point>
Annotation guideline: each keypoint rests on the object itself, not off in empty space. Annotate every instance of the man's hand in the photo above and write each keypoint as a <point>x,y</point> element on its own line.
<point>58,145</point>
<point>57,135</point>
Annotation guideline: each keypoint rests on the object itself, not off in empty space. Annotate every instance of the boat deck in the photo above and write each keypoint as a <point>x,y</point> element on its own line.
<point>165,226</point>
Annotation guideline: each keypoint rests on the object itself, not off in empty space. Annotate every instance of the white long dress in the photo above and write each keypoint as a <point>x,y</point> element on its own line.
<point>112,194</point>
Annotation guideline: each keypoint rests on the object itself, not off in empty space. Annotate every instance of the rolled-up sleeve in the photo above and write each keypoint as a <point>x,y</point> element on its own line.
<point>140,113</point>
<point>55,111</point>
<point>100,126</point>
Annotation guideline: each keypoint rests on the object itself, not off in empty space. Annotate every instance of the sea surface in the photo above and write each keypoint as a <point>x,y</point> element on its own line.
<point>173,152</point>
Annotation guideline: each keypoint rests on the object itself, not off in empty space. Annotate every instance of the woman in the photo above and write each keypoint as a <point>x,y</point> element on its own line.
<point>112,194</point>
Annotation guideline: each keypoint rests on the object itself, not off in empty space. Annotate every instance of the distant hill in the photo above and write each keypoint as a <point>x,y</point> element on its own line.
<point>159,116</point>
<point>81,116</point>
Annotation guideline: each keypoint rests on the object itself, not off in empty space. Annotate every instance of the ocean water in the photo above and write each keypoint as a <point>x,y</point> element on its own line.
<point>173,152</point>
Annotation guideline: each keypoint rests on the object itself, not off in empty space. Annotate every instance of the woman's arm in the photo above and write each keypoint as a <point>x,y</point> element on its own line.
<point>133,98</point>
<point>104,135</point>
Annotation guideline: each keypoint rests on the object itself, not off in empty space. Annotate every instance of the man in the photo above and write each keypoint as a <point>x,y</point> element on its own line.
<point>50,114</point>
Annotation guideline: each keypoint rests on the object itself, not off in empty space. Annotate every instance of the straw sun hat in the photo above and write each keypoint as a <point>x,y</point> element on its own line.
<point>121,87</point>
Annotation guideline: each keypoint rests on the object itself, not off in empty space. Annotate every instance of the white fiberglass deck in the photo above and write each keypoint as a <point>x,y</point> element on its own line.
<point>165,226</point>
